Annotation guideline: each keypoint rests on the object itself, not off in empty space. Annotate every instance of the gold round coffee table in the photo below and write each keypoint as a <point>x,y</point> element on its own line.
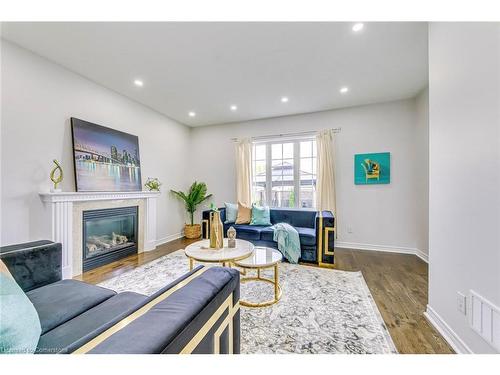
<point>200,251</point>
<point>262,258</point>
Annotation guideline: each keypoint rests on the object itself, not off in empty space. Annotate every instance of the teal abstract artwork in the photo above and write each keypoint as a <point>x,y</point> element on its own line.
<point>372,168</point>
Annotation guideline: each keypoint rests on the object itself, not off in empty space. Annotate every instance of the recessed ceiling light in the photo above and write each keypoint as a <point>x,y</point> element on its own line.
<point>284,99</point>
<point>233,108</point>
<point>358,27</point>
<point>138,82</point>
<point>343,90</point>
<point>192,114</point>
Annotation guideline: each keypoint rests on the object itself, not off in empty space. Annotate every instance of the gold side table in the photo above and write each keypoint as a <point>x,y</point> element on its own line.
<point>262,258</point>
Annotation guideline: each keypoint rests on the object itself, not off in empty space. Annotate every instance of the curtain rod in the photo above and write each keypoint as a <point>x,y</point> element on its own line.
<point>335,130</point>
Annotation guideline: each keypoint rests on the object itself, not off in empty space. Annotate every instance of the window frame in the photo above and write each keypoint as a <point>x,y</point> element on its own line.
<point>296,168</point>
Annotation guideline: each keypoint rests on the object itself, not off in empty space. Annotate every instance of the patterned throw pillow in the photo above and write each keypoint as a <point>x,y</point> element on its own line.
<point>19,322</point>
<point>244,214</point>
<point>231,212</point>
<point>260,215</point>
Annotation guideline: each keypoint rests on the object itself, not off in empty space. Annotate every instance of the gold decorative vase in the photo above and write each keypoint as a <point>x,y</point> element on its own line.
<point>216,231</point>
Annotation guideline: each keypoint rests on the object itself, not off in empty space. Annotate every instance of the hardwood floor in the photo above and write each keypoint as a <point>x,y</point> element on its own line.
<point>110,270</point>
<point>398,283</point>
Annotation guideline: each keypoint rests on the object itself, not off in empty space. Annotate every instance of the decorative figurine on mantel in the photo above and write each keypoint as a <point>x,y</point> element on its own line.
<point>231,235</point>
<point>153,184</point>
<point>56,180</point>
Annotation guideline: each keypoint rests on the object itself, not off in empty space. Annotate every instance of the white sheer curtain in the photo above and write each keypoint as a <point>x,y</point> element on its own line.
<point>325,184</point>
<point>244,171</point>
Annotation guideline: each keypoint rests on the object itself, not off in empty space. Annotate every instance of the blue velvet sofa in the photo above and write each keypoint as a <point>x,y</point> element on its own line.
<point>186,316</point>
<point>316,232</point>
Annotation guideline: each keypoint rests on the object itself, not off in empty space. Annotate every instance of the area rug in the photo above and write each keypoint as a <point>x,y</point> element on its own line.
<point>320,311</point>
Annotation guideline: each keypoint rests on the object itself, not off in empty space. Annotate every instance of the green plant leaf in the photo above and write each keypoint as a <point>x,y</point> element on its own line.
<point>197,194</point>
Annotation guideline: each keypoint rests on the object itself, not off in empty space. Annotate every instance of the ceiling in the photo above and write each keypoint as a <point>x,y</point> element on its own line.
<point>207,67</point>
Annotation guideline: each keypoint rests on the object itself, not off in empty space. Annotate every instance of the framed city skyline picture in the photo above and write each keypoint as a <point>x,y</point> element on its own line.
<point>105,159</point>
<point>374,168</point>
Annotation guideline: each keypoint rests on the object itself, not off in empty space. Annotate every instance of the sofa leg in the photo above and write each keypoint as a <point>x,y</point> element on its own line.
<point>327,265</point>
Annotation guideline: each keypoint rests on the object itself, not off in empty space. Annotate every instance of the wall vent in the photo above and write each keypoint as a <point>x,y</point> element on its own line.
<point>485,319</point>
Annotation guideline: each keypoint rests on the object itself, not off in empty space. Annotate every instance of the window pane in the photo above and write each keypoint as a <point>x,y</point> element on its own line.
<point>259,175</point>
<point>259,195</point>
<point>260,152</point>
<point>306,149</point>
<point>277,151</point>
<point>314,149</point>
<point>287,169</point>
<point>277,169</point>
<point>307,197</point>
<point>259,180</point>
<point>260,171</point>
<point>308,180</point>
<point>306,167</point>
<point>283,196</point>
<point>287,150</point>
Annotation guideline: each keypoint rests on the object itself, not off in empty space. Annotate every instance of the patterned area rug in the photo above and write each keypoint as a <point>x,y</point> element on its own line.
<point>320,311</point>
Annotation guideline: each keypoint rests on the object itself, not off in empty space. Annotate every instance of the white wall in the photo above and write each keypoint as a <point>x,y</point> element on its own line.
<point>38,99</point>
<point>464,218</point>
<point>421,144</point>
<point>380,215</point>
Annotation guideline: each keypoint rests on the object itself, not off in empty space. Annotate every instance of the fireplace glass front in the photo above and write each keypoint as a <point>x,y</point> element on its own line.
<point>108,235</point>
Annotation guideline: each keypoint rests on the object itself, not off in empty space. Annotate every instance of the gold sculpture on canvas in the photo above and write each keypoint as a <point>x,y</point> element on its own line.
<point>216,231</point>
<point>56,180</point>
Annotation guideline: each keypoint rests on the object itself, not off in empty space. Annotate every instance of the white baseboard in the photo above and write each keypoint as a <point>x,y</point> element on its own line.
<point>445,330</point>
<point>385,248</point>
<point>169,238</point>
<point>67,272</point>
<point>422,255</point>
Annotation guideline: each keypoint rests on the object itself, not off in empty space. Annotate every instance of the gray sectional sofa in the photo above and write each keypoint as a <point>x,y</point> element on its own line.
<point>77,317</point>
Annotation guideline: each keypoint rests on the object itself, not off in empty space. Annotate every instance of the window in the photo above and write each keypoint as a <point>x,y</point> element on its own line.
<point>284,173</point>
<point>307,173</point>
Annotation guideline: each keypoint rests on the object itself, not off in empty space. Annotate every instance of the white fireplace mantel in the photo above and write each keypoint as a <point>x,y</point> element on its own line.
<point>96,196</point>
<point>60,206</point>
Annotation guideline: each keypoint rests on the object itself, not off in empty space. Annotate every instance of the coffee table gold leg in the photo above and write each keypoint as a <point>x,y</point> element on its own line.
<point>276,282</point>
<point>191,264</point>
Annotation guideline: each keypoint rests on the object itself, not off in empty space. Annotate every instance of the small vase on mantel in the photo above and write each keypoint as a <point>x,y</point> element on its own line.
<point>216,231</point>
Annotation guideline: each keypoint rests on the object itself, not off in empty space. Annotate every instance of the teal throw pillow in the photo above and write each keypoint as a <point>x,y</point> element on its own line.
<point>231,212</point>
<point>260,215</point>
<point>19,322</point>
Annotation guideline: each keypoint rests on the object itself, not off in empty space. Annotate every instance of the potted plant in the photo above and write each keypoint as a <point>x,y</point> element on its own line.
<point>197,194</point>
